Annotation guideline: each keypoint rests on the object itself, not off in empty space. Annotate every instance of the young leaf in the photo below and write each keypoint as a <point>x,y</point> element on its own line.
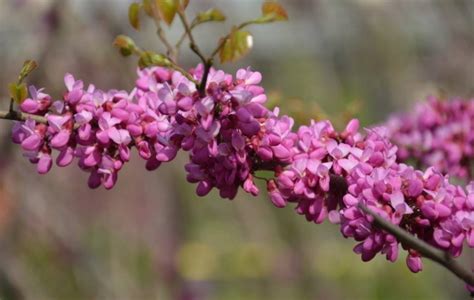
<point>167,9</point>
<point>28,67</point>
<point>211,15</point>
<point>125,44</point>
<point>18,92</point>
<point>148,7</point>
<point>148,59</point>
<point>237,45</point>
<point>134,15</point>
<point>272,11</point>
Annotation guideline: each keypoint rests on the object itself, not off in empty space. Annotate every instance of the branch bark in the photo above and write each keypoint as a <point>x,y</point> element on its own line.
<point>19,116</point>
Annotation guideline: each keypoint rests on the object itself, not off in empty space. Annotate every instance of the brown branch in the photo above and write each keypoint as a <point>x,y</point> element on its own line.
<point>22,117</point>
<point>181,40</point>
<point>195,48</point>
<point>194,23</point>
<point>193,45</point>
<point>19,116</point>
<point>10,109</point>
<point>207,69</point>
<point>171,51</point>
<point>426,250</point>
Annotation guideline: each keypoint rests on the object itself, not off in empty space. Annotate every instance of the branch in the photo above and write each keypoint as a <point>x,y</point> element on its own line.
<point>181,40</point>
<point>22,117</point>
<point>188,30</point>
<point>195,48</point>
<point>207,68</point>
<point>171,51</point>
<point>185,34</point>
<point>426,250</point>
<point>19,116</point>
<point>10,109</point>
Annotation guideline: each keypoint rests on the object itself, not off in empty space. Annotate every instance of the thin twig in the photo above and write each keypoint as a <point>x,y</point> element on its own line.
<point>194,23</point>
<point>426,250</point>
<point>171,51</point>
<point>195,48</point>
<point>188,30</point>
<point>10,109</point>
<point>181,40</point>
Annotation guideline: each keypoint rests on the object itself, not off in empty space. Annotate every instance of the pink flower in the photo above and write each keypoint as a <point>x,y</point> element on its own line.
<point>414,262</point>
<point>119,136</point>
<point>39,101</point>
<point>44,163</point>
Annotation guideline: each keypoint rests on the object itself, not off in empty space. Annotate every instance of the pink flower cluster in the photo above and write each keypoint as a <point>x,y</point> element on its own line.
<point>96,127</point>
<point>229,135</point>
<point>423,203</point>
<point>228,132</point>
<point>318,153</point>
<point>439,134</point>
<point>332,173</point>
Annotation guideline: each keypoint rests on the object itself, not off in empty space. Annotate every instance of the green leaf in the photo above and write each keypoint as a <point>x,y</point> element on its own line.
<point>236,46</point>
<point>28,67</point>
<point>18,92</point>
<point>149,58</point>
<point>272,11</point>
<point>125,44</point>
<point>148,7</point>
<point>211,15</point>
<point>167,9</point>
<point>134,15</point>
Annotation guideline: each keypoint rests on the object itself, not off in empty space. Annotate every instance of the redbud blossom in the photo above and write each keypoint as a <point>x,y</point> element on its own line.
<point>229,135</point>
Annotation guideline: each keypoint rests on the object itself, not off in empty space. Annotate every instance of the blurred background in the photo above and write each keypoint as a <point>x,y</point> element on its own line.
<point>151,237</point>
